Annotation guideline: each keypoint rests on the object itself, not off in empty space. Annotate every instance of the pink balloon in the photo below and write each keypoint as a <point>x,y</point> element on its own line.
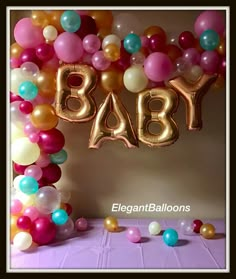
<point>51,141</point>
<point>34,171</point>
<point>34,137</point>
<point>32,212</point>
<point>210,61</point>
<point>133,234</point>
<point>81,224</point>
<point>15,98</point>
<point>43,231</point>
<point>91,43</point>
<point>16,206</point>
<point>30,129</point>
<point>99,61</point>
<point>28,35</point>
<point>158,66</point>
<point>222,67</point>
<point>52,173</point>
<point>68,47</point>
<point>43,160</point>
<point>192,55</point>
<point>209,20</point>
<point>15,62</point>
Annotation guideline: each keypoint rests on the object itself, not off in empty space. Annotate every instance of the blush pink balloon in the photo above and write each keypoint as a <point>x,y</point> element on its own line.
<point>81,224</point>
<point>32,212</point>
<point>43,160</point>
<point>91,43</point>
<point>34,171</point>
<point>68,47</point>
<point>28,35</point>
<point>158,66</point>
<point>209,20</point>
<point>133,234</point>
<point>192,55</point>
<point>99,61</point>
<point>43,231</point>
<point>16,206</point>
<point>15,62</point>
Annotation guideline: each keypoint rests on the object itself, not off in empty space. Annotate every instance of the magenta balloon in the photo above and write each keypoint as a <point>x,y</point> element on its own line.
<point>52,173</point>
<point>45,52</point>
<point>19,169</point>
<point>15,98</point>
<point>222,67</point>
<point>68,47</point>
<point>43,231</point>
<point>209,20</point>
<point>29,55</point>
<point>28,35</point>
<point>51,141</point>
<point>210,61</point>
<point>158,66</point>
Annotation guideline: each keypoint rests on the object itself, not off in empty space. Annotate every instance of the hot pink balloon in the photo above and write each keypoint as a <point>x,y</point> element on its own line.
<point>51,141</point>
<point>210,61</point>
<point>32,212</point>
<point>158,66</point>
<point>68,47</point>
<point>43,231</point>
<point>43,160</point>
<point>16,206</point>
<point>28,35</point>
<point>209,20</point>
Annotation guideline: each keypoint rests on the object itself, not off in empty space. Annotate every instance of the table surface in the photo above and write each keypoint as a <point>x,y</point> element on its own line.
<point>98,249</point>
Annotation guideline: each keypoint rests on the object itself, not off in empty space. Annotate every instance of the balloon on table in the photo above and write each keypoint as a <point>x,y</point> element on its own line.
<point>207,231</point>
<point>81,224</point>
<point>154,228</point>
<point>197,225</point>
<point>170,237</point>
<point>110,224</point>
<point>133,234</point>
<point>65,231</point>
<point>22,241</point>
<point>59,216</point>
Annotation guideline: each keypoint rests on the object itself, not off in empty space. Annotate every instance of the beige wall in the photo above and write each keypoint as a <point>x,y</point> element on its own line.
<point>190,172</point>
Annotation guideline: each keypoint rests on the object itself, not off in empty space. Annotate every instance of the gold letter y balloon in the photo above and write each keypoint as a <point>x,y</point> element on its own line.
<point>192,95</point>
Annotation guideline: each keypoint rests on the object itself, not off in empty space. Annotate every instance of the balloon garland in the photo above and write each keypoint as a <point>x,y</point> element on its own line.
<point>63,55</point>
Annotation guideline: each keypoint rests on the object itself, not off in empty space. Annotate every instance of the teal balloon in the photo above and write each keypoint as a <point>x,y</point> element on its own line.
<point>209,39</point>
<point>170,237</point>
<point>59,217</point>
<point>70,21</point>
<point>132,43</point>
<point>28,90</point>
<point>28,185</point>
<point>59,157</point>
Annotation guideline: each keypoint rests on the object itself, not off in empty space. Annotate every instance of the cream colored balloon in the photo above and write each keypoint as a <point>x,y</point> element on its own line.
<point>22,240</point>
<point>17,77</point>
<point>65,196</point>
<point>154,228</point>
<point>111,39</point>
<point>16,132</point>
<point>135,79</point>
<point>16,182</point>
<point>27,200</point>
<point>24,152</point>
<point>50,33</point>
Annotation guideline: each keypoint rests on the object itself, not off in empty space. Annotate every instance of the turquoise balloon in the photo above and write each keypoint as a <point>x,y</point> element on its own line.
<point>59,157</point>
<point>170,237</point>
<point>209,39</point>
<point>59,217</point>
<point>28,185</point>
<point>70,21</point>
<point>132,43</point>
<point>28,90</point>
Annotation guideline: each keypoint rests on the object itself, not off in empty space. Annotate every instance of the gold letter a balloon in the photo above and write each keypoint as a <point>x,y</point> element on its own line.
<point>122,131</point>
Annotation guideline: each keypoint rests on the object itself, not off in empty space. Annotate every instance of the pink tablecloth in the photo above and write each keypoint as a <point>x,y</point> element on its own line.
<point>99,249</point>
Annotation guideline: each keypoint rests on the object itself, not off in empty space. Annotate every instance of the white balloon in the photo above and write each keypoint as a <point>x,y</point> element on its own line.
<point>24,152</point>
<point>50,33</point>
<point>17,77</point>
<point>111,39</point>
<point>27,200</point>
<point>22,240</point>
<point>65,231</point>
<point>16,181</point>
<point>135,79</point>
<point>154,228</point>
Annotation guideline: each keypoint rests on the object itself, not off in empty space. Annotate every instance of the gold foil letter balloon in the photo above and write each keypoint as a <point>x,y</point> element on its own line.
<point>145,116</point>
<point>122,131</point>
<point>81,93</point>
<point>192,95</point>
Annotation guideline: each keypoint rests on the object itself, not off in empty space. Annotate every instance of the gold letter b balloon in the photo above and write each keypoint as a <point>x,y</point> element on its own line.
<point>145,116</point>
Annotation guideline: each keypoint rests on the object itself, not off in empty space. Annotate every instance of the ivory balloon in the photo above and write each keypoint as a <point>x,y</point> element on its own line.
<point>24,152</point>
<point>154,228</point>
<point>111,39</point>
<point>135,79</point>
<point>22,240</point>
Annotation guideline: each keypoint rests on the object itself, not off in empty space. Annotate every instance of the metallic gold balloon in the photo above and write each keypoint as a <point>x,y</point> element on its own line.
<point>46,82</point>
<point>15,50</point>
<point>82,93</point>
<point>40,18</point>
<point>103,19</point>
<point>219,83</point>
<point>123,131</point>
<point>112,52</point>
<point>221,49</point>
<point>111,224</point>
<point>145,116</point>
<point>207,230</point>
<point>111,80</point>
<point>192,94</point>
<point>54,18</point>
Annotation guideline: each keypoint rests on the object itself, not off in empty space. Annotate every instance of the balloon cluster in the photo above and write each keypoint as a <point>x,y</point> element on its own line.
<point>124,55</point>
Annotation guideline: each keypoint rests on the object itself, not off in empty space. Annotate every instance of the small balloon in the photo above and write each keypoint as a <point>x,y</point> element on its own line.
<point>207,231</point>
<point>154,228</point>
<point>133,234</point>
<point>111,52</point>
<point>132,43</point>
<point>111,224</point>
<point>111,39</point>
<point>170,237</point>
<point>70,21</point>
<point>111,80</point>
<point>33,171</point>
<point>31,212</point>
<point>65,231</point>
<point>22,241</point>
<point>59,217</point>
<point>81,224</point>
<point>59,157</point>
<point>16,206</point>
<point>135,79</point>
<point>209,40</point>
<point>28,185</point>
<point>197,225</point>
<point>28,90</point>
<point>24,222</point>
<point>50,33</point>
